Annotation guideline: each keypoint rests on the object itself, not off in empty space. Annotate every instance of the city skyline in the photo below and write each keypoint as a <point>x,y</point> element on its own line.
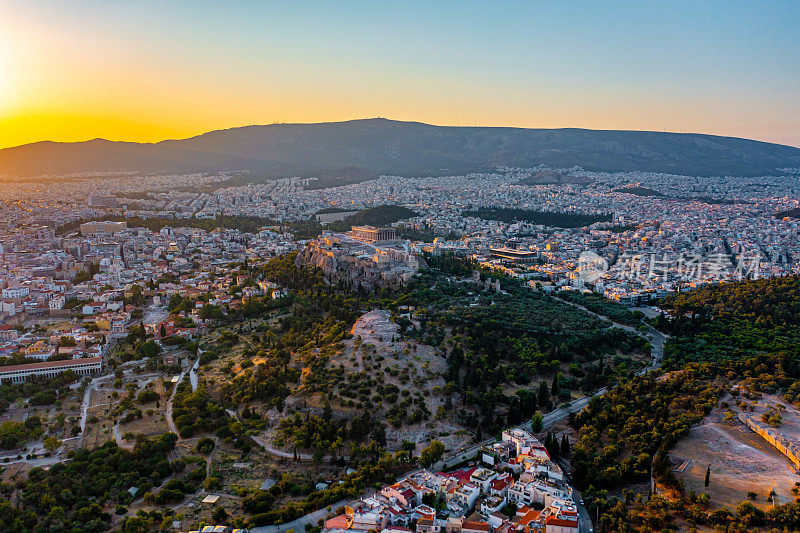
<point>150,72</point>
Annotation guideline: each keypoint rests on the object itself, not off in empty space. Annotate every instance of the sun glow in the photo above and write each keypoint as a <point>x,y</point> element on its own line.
<point>6,88</point>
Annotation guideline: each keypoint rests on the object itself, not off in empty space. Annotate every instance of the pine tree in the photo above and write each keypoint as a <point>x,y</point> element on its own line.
<point>544,395</point>
<point>564,445</point>
<point>708,475</point>
<point>554,389</point>
<point>479,434</point>
<point>536,423</point>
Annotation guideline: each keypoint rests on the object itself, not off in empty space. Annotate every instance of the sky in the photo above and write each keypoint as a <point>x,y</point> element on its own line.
<point>151,70</point>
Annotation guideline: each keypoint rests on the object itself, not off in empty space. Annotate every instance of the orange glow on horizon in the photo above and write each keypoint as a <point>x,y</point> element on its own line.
<point>145,73</point>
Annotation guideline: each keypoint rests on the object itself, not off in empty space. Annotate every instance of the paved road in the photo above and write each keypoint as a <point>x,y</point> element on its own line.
<point>584,518</point>
<point>656,339</point>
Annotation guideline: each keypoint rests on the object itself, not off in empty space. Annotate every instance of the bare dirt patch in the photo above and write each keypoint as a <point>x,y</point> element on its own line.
<point>740,460</point>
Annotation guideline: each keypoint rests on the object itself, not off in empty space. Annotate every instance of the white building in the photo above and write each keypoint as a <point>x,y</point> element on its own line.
<point>57,302</point>
<point>20,373</point>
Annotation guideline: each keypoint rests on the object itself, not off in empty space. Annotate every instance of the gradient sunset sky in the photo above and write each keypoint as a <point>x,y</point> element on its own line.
<point>146,71</point>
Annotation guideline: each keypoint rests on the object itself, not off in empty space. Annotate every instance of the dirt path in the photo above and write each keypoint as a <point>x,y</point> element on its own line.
<point>118,437</point>
<point>193,378</point>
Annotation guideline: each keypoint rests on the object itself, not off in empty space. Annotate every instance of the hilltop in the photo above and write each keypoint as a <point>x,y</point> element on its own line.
<point>368,148</point>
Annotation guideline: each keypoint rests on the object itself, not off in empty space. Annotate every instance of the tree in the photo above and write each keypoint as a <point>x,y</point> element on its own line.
<point>219,515</point>
<point>137,524</point>
<point>536,422</point>
<point>432,453</point>
<point>554,389</point>
<point>708,475</point>
<point>66,341</point>
<point>148,349</point>
<point>544,395</point>
<point>51,443</point>
<point>565,446</point>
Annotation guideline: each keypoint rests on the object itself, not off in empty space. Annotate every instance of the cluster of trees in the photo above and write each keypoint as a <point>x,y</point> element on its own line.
<point>245,224</point>
<point>272,507</point>
<point>792,213</point>
<point>604,306</point>
<point>514,337</point>
<point>635,424</point>
<point>195,413</point>
<point>546,218</point>
<point>733,320</point>
<point>306,229</point>
<point>623,433</point>
<point>40,390</point>
<point>742,333</point>
<point>14,434</point>
<point>382,215</point>
<point>659,514</point>
<point>71,495</point>
<point>423,234</point>
<point>328,435</point>
<point>318,318</point>
<point>638,191</point>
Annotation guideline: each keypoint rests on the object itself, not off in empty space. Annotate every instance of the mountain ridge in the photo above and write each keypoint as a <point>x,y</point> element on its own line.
<point>382,146</point>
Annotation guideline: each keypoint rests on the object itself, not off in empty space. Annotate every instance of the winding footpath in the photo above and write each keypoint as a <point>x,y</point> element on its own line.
<point>193,378</point>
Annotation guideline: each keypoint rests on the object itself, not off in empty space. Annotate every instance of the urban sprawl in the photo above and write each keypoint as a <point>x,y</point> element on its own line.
<point>71,254</point>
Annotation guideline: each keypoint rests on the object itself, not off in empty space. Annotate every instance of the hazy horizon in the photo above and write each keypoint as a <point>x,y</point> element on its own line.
<point>150,71</point>
<point>499,126</point>
<point>156,141</point>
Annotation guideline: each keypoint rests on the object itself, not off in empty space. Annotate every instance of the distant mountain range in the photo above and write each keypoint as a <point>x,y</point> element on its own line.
<point>360,149</point>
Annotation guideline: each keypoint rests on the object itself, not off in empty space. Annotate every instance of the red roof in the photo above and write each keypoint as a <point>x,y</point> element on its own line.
<point>461,475</point>
<point>337,522</point>
<point>529,516</point>
<point>500,484</point>
<point>553,521</point>
<point>476,526</point>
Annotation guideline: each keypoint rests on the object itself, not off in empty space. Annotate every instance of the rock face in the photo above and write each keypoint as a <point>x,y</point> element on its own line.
<point>359,264</point>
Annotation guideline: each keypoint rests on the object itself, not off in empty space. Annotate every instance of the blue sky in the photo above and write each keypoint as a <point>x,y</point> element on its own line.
<point>145,70</point>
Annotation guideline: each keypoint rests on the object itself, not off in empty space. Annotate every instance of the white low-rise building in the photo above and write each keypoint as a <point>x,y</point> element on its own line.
<point>19,373</point>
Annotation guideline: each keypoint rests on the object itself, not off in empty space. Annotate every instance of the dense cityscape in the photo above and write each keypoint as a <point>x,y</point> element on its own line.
<point>399,267</point>
<point>120,291</point>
